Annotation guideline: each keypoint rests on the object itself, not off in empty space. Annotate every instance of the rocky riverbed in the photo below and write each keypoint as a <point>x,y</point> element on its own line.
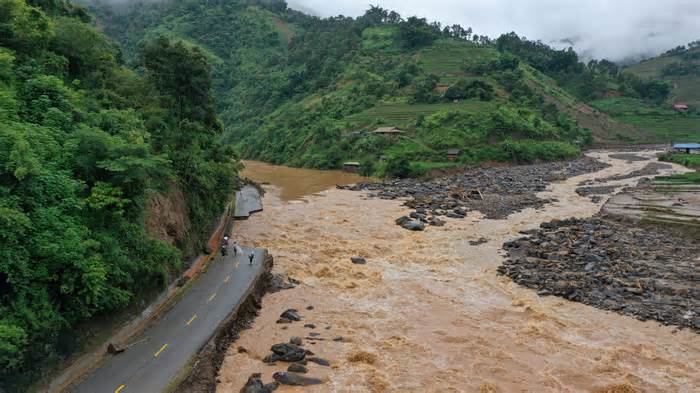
<point>596,192</point>
<point>428,311</point>
<point>647,272</point>
<point>650,169</point>
<point>495,192</point>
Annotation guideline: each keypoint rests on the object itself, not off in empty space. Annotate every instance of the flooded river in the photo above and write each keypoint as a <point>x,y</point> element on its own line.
<point>295,183</point>
<point>428,312</point>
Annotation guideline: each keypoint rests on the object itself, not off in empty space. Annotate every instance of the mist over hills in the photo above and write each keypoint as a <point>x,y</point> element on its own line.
<point>622,31</point>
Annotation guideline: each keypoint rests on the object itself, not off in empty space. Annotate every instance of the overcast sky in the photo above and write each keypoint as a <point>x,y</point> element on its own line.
<point>613,29</point>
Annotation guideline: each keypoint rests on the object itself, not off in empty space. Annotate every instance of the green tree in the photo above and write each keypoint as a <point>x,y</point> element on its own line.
<point>182,76</point>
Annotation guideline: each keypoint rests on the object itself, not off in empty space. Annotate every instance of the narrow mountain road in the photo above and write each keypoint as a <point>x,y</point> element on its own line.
<point>155,357</point>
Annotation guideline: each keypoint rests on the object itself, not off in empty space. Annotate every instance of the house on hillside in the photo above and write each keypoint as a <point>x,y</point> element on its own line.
<point>688,148</point>
<point>352,166</point>
<point>390,132</point>
<point>680,107</point>
<point>453,154</point>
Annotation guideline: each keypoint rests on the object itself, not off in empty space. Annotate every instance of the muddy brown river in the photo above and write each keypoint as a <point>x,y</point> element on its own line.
<point>428,313</point>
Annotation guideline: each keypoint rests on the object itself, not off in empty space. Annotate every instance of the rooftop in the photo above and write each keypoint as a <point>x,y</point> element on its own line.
<point>387,130</point>
<point>686,146</point>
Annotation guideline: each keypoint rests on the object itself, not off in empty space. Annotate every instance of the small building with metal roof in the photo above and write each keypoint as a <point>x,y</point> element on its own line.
<point>688,148</point>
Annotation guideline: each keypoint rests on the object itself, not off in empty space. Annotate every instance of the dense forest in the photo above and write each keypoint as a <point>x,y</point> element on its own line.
<point>85,142</point>
<point>306,91</point>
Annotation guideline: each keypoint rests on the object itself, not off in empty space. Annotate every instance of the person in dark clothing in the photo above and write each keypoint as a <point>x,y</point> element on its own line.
<point>251,256</point>
<point>224,250</point>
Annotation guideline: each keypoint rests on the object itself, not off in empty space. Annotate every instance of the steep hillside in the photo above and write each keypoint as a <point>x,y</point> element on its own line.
<point>87,148</point>
<point>305,91</point>
<point>680,68</point>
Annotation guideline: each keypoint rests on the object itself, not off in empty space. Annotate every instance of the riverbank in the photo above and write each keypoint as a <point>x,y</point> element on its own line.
<point>429,308</point>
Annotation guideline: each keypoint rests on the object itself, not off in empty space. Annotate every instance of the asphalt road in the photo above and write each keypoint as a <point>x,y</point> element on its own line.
<point>154,358</point>
<point>248,201</point>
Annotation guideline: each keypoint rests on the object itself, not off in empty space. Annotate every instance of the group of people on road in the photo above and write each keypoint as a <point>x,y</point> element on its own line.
<point>236,250</point>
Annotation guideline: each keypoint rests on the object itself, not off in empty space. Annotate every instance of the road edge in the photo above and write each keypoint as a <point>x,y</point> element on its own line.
<point>201,373</point>
<point>92,359</point>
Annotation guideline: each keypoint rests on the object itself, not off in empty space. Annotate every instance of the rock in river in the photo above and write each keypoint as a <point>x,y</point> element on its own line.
<point>255,385</point>
<point>413,225</point>
<point>297,368</point>
<point>291,314</point>
<point>286,353</point>
<point>286,378</point>
<point>319,361</point>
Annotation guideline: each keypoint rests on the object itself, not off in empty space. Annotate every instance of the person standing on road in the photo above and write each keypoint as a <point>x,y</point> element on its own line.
<point>226,240</point>
<point>224,250</point>
<point>251,256</point>
<point>235,248</point>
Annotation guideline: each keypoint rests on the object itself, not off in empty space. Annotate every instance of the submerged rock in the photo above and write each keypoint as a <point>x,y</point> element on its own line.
<point>255,385</point>
<point>319,361</point>
<point>297,368</point>
<point>286,378</point>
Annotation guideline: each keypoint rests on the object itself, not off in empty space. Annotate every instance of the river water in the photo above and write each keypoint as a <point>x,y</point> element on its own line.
<point>293,184</point>
<point>428,313</point>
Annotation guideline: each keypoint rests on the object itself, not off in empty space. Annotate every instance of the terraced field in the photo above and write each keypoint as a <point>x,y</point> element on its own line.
<point>402,114</point>
<point>446,58</point>
<point>665,128</point>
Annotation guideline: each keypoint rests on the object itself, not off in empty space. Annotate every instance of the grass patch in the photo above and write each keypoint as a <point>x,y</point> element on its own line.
<point>380,39</point>
<point>688,160</point>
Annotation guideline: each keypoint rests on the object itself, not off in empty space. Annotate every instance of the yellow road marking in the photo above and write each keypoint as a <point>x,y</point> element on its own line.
<point>119,389</point>
<point>155,355</point>
<point>191,319</point>
<point>227,278</point>
<point>213,295</point>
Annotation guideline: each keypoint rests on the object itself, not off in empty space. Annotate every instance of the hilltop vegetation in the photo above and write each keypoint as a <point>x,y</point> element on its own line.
<point>84,144</point>
<point>303,101</point>
<point>299,90</point>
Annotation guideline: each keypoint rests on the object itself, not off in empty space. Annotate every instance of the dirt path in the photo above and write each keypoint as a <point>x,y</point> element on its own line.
<point>429,313</point>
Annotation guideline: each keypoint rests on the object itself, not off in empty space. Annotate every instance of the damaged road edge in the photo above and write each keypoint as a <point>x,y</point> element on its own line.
<point>200,375</point>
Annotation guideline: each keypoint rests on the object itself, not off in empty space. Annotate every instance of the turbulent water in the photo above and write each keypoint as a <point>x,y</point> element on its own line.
<point>428,313</point>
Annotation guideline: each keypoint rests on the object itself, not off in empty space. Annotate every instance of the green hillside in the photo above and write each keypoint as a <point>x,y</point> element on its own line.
<point>297,90</point>
<point>85,145</point>
<point>304,91</point>
<point>680,68</point>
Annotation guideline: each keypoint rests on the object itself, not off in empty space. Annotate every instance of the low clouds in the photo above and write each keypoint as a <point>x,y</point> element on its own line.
<point>613,29</point>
